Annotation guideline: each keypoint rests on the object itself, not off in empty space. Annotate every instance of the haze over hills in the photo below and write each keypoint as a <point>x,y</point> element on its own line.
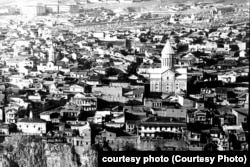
<point>25,2</point>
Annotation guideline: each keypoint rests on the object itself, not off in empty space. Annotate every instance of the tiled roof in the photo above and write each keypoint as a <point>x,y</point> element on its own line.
<point>32,120</point>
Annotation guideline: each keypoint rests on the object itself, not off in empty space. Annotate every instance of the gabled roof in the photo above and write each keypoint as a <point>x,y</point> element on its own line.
<point>135,92</point>
<point>80,95</point>
<point>76,86</point>
<point>11,109</point>
<point>32,120</point>
<point>243,95</point>
<point>225,110</point>
<point>159,70</point>
<point>242,111</point>
<point>163,121</point>
<point>94,78</point>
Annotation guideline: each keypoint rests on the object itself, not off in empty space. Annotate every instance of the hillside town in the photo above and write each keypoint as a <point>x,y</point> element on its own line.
<point>129,80</point>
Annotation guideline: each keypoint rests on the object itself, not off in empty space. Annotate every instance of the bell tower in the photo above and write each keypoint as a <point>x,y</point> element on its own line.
<point>167,56</point>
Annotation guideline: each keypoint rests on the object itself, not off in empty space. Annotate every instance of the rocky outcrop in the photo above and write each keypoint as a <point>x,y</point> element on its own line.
<point>30,151</point>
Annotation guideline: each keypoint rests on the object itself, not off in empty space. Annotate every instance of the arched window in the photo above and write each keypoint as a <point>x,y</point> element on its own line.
<point>156,85</point>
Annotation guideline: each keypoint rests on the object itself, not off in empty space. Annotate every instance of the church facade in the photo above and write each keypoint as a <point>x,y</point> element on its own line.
<point>168,79</point>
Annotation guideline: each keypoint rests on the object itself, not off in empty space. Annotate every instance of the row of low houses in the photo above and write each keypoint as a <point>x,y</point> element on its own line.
<point>132,89</point>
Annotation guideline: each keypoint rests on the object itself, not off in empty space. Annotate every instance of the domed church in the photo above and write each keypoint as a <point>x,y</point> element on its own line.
<point>168,79</point>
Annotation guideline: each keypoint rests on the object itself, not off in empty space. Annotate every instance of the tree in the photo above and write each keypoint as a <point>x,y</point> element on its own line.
<point>106,146</point>
<point>233,141</point>
<point>110,45</point>
<point>113,71</point>
<point>106,64</point>
<point>172,33</point>
<point>59,55</point>
<point>75,132</point>
<point>12,127</point>
<point>201,33</point>
<point>143,38</point>
<point>210,147</point>
<point>132,68</point>
<point>182,48</point>
<point>84,64</point>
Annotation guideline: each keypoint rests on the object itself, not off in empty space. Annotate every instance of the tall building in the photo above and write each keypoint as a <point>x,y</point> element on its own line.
<point>52,54</point>
<point>15,54</point>
<point>33,10</point>
<point>168,79</point>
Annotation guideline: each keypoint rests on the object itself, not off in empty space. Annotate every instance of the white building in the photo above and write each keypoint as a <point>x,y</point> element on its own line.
<point>84,130</point>
<point>20,81</point>
<point>49,66</point>
<point>228,77</point>
<point>10,116</point>
<point>167,79</point>
<point>76,89</point>
<point>33,10</point>
<point>52,54</point>
<point>32,125</point>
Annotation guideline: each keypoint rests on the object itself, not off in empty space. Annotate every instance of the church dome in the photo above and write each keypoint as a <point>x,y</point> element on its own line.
<point>167,50</point>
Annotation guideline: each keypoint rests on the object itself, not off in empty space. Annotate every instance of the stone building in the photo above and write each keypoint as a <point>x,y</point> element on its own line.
<point>32,125</point>
<point>168,79</point>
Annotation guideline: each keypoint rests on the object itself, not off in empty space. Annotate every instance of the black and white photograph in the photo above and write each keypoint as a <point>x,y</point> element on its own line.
<point>80,77</point>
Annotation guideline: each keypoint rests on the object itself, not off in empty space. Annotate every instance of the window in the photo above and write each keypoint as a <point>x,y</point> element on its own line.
<point>156,84</point>
<point>192,135</point>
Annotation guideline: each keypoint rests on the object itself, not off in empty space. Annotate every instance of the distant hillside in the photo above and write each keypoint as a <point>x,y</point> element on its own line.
<point>11,2</point>
<point>16,2</point>
<point>147,4</point>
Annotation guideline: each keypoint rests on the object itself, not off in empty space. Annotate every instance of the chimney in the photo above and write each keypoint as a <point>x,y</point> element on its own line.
<point>31,115</point>
<point>32,52</point>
